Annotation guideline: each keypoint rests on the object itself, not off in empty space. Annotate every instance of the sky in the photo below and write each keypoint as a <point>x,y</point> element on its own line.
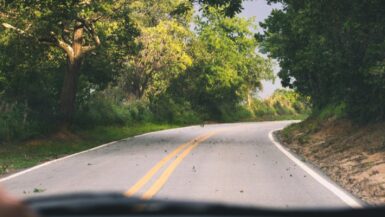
<point>261,10</point>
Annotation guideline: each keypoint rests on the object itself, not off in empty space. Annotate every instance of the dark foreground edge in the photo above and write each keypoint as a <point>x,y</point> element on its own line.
<point>116,204</point>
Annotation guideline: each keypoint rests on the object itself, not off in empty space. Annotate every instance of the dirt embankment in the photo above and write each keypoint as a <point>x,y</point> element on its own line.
<point>353,155</point>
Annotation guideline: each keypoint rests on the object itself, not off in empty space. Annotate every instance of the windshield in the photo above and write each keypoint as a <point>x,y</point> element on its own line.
<point>275,104</point>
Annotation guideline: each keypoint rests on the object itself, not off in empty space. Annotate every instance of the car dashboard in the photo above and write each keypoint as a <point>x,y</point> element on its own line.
<point>115,204</point>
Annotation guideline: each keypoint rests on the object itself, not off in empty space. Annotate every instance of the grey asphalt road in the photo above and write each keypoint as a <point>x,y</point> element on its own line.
<point>227,163</point>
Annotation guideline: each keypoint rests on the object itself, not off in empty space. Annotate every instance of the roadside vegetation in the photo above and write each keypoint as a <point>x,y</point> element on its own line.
<point>333,52</point>
<point>76,74</point>
<point>19,155</point>
<point>102,121</point>
<point>282,105</point>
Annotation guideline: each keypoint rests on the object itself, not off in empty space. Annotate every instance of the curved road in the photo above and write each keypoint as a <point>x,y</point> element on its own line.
<point>228,163</point>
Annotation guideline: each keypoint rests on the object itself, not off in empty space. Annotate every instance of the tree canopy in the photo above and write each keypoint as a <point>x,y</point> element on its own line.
<point>332,51</point>
<point>77,62</point>
<point>162,56</point>
<point>226,67</point>
<point>73,26</point>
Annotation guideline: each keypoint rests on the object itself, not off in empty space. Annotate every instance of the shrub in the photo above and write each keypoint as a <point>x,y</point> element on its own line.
<point>166,109</point>
<point>281,103</point>
<point>140,111</point>
<point>261,109</point>
<point>238,113</point>
<point>331,111</point>
<point>102,111</point>
<point>16,124</point>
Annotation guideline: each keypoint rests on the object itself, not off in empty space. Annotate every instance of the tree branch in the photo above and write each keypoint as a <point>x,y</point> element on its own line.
<point>19,31</point>
<point>91,31</point>
<point>53,40</point>
<point>63,45</point>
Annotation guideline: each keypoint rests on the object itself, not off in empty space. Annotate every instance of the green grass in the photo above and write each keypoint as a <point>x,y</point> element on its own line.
<point>277,118</point>
<point>18,156</point>
<point>331,111</point>
<point>23,155</point>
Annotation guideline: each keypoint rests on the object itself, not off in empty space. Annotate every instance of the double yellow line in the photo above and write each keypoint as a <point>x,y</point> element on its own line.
<point>184,150</point>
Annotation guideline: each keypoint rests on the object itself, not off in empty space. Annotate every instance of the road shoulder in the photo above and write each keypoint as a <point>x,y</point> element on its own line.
<point>349,154</point>
<point>347,198</point>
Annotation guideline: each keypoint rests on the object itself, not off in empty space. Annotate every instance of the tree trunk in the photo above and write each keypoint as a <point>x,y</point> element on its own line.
<point>68,92</point>
<point>70,83</point>
<point>75,52</point>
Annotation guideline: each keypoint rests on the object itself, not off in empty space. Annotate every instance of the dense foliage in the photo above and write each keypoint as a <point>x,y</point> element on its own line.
<point>281,103</point>
<point>332,51</point>
<point>77,64</point>
<point>226,68</point>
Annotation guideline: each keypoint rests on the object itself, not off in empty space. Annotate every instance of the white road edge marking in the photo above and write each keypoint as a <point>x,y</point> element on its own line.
<point>53,161</point>
<point>76,154</point>
<point>331,187</point>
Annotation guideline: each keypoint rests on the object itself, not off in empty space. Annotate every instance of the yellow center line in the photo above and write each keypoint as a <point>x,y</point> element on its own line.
<point>161,181</point>
<point>135,188</point>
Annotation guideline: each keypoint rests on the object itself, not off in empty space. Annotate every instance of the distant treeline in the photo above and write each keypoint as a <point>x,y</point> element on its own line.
<point>332,51</point>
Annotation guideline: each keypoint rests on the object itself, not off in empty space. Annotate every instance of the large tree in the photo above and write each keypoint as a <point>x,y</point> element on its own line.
<point>163,55</point>
<point>78,28</point>
<point>332,51</point>
<point>73,26</point>
<point>226,67</point>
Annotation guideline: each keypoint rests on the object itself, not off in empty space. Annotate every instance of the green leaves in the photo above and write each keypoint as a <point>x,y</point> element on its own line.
<point>129,49</point>
<point>226,68</point>
<point>227,7</point>
<point>162,56</point>
<point>331,51</point>
<point>148,13</point>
